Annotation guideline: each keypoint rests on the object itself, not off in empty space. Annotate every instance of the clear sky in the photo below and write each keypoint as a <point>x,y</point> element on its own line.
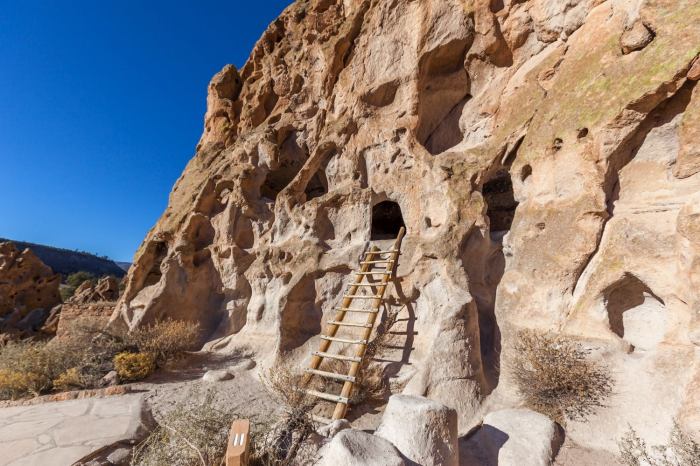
<point>102,105</point>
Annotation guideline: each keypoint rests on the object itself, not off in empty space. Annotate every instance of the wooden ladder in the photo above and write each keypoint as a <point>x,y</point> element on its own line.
<point>372,260</point>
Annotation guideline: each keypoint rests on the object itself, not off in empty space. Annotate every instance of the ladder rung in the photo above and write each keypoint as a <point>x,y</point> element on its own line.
<point>340,357</point>
<point>381,252</point>
<point>349,324</point>
<point>327,396</point>
<point>384,272</point>
<point>344,340</point>
<point>352,309</point>
<point>331,375</point>
<point>368,284</point>
<point>359,296</point>
<point>388,261</point>
<point>321,419</point>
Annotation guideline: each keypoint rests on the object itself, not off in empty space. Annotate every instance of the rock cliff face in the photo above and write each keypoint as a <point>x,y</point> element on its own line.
<point>543,156</point>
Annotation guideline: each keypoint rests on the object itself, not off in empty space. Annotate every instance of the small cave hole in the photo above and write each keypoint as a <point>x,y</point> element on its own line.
<point>159,251</point>
<point>387,220</point>
<point>582,133</point>
<point>317,186</point>
<point>290,160</point>
<point>525,172</point>
<point>501,204</point>
<point>557,144</point>
<point>496,6</point>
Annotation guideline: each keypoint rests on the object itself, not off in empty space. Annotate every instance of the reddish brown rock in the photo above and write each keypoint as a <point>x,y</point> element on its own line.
<point>105,290</point>
<point>28,289</point>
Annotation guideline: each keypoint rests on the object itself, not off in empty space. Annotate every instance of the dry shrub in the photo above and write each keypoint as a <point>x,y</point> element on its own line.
<point>166,339</point>
<point>188,435</point>
<point>68,380</point>
<point>557,378</point>
<point>134,366</point>
<point>682,450</point>
<point>28,368</point>
<point>88,352</point>
<point>280,443</point>
<point>15,384</point>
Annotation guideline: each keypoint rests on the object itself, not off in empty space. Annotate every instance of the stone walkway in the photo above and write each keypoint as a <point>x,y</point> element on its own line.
<point>61,433</point>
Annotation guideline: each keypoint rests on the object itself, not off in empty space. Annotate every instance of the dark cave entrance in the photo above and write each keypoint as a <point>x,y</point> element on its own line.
<point>500,209</point>
<point>387,220</point>
<point>317,186</point>
<point>500,201</point>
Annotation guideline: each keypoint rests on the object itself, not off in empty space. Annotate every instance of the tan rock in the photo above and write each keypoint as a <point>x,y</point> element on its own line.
<point>635,38</point>
<point>531,162</point>
<point>105,289</point>
<point>26,284</point>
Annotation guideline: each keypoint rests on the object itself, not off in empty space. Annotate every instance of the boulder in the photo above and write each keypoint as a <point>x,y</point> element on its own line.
<point>330,430</point>
<point>357,448</point>
<point>244,365</point>
<point>635,38</point>
<point>110,379</point>
<point>423,430</point>
<point>105,289</point>
<point>512,437</point>
<point>27,285</point>
<point>217,376</point>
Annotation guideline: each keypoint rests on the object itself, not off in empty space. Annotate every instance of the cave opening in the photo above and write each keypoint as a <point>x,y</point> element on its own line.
<point>501,204</point>
<point>158,251</point>
<point>387,220</point>
<point>291,158</point>
<point>317,186</point>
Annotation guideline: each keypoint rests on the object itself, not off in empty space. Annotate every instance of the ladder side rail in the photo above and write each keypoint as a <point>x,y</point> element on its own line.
<point>339,316</point>
<point>341,408</point>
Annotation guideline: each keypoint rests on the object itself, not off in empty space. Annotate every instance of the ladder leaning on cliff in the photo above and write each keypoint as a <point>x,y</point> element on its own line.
<point>371,261</point>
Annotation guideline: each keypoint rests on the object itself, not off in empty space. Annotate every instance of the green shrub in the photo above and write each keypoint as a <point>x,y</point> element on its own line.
<point>134,366</point>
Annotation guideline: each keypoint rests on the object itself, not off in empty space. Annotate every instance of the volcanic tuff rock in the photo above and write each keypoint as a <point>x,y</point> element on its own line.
<point>105,289</point>
<point>547,179</point>
<point>26,284</point>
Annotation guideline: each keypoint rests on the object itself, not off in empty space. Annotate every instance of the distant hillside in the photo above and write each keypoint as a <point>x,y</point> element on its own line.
<point>124,265</point>
<point>66,262</point>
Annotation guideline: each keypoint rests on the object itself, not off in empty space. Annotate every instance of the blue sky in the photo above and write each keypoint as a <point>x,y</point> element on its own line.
<point>101,106</point>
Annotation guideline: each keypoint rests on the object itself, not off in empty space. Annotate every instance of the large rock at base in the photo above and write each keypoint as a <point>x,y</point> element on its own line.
<point>357,448</point>
<point>424,431</point>
<point>512,437</point>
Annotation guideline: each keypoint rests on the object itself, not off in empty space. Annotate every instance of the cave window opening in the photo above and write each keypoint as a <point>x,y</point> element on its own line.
<point>501,204</point>
<point>278,179</point>
<point>154,274</point>
<point>317,186</point>
<point>387,220</point>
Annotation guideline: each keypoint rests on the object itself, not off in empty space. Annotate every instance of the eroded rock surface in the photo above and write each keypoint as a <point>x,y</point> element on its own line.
<point>512,437</point>
<point>546,180</point>
<point>105,289</point>
<point>28,290</point>
<point>354,447</point>
<point>424,431</point>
